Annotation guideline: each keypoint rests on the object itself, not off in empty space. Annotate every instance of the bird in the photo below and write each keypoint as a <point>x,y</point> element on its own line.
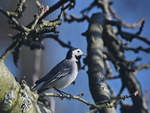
<point>63,74</point>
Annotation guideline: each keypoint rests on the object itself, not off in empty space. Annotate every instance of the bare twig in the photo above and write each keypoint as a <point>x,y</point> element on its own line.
<point>130,36</point>
<point>55,37</point>
<point>142,66</point>
<point>138,49</point>
<point>14,21</point>
<point>20,7</point>
<point>121,90</point>
<point>133,25</point>
<point>69,96</point>
<point>112,77</point>
<point>43,10</point>
<point>86,10</point>
<point>73,18</point>
<point>125,96</point>
<point>54,7</point>
<point>30,35</point>
<point>105,104</point>
<point>8,50</point>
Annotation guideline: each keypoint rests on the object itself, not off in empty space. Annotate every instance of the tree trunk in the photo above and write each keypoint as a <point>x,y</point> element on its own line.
<point>13,97</point>
<point>97,84</point>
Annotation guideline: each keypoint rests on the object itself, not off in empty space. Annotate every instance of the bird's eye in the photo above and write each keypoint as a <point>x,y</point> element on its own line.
<point>78,51</point>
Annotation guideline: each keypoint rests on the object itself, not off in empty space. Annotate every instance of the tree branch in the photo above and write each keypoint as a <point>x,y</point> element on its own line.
<point>15,98</point>
<point>95,61</point>
<point>142,66</point>
<point>138,49</point>
<point>55,37</point>
<point>133,25</point>
<point>106,104</point>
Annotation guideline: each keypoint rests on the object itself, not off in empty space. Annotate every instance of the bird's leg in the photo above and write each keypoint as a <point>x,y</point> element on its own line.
<point>63,93</point>
<point>59,91</point>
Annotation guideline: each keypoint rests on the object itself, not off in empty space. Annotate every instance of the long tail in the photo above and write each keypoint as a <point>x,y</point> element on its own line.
<point>34,88</point>
<point>37,86</point>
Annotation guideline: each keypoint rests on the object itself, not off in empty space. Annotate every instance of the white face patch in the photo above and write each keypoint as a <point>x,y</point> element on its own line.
<point>77,52</point>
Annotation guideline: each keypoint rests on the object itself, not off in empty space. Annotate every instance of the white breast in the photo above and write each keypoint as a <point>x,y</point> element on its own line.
<point>68,79</point>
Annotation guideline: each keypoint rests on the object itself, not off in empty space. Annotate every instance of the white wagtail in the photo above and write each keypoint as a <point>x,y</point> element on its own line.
<point>63,74</point>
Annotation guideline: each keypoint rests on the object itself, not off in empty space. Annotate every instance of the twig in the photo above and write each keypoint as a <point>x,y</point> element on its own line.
<point>14,20</point>
<point>112,77</point>
<point>54,7</point>
<point>133,25</point>
<point>138,49</point>
<point>142,66</point>
<point>86,10</point>
<point>142,39</point>
<point>119,94</point>
<point>130,36</point>
<point>20,7</point>
<point>8,50</point>
<point>119,98</point>
<point>105,104</point>
<point>121,90</point>
<point>69,96</point>
<point>55,37</point>
<point>73,18</point>
<point>30,35</point>
<point>42,11</point>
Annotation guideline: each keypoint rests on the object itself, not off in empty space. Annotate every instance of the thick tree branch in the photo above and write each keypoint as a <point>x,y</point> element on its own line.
<point>124,67</point>
<point>95,61</point>
<point>13,97</point>
<point>116,55</point>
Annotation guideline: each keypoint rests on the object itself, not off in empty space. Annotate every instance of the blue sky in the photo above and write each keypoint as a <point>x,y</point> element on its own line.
<point>130,11</point>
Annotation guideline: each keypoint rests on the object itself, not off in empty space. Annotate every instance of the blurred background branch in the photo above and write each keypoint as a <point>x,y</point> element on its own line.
<point>109,42</point>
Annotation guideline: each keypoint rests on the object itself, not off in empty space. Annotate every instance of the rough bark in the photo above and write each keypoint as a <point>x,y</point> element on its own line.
<point>98,86</point>
<point>13,97</point>
<point>124,67</point>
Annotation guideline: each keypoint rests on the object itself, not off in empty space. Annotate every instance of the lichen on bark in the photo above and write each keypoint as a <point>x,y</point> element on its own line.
<point>15,98</point>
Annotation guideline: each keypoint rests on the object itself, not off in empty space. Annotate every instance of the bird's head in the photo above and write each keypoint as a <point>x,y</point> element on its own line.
<point>74,53</point>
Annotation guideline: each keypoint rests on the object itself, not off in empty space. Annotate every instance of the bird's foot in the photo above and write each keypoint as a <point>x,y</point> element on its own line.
<point>63,94</point>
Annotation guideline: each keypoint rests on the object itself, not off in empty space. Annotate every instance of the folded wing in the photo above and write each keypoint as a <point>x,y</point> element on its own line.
<point>59,71</point>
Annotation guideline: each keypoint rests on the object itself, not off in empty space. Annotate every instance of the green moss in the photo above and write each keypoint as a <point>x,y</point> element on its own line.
<point>13,98</point>
<point>9,89</point>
